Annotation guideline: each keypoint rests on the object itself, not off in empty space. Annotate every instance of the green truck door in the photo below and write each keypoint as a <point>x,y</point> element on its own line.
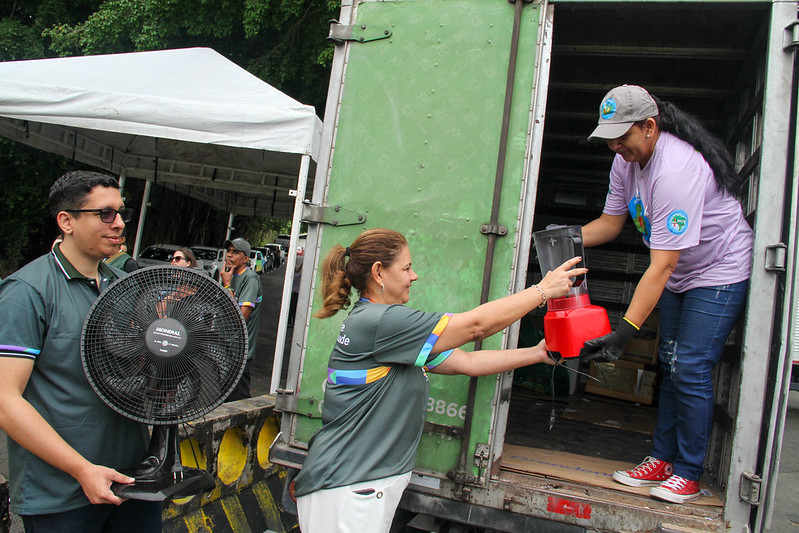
<point>416,143</point>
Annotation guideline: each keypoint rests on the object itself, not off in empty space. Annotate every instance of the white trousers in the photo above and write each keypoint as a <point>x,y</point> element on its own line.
<point>366,507</point>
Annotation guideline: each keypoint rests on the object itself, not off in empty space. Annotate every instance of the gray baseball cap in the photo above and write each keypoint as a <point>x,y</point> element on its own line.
<point>621,108</point>
<point>239,244</point>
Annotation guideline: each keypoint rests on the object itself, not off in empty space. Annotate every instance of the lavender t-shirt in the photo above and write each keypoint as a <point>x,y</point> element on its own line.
<point>676,204</point>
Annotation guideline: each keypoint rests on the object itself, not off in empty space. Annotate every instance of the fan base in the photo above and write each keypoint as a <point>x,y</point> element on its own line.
<point>188,482</point>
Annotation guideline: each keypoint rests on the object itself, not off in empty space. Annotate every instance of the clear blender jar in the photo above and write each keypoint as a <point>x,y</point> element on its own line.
<point>571,319</point>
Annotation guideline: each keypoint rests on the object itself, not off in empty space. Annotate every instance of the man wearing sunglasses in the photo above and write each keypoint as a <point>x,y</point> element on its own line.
<point>66,446</point>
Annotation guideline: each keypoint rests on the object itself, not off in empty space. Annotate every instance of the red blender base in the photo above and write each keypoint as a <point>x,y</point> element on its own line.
<point>566,330</point>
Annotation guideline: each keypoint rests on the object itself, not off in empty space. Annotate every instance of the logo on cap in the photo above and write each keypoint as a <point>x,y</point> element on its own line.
<point>608,109</point>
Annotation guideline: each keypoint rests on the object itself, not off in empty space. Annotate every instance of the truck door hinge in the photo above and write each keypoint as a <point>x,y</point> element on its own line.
<point>791,42</point>
<point>361,33</point>
<point>287,402</point>
<point>333,215</point>
<point>776,257</point>
<point>749,491</point>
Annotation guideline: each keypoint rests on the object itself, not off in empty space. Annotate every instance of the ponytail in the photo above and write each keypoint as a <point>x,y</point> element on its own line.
<point>336,287</point>
<point>687,128</point>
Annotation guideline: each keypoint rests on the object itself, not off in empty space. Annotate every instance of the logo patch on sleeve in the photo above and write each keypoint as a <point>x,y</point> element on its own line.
<point>677,221</point>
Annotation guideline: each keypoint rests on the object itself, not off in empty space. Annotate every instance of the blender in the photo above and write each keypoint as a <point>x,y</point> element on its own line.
<point>571,319</point>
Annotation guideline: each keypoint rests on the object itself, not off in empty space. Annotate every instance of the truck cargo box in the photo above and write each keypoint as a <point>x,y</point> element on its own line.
<point>463,124</point>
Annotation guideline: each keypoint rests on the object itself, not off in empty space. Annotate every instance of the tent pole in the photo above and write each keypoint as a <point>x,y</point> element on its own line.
<point>122,175</point>
<point>280,341</point>
<point>142,215</point>
<point>230,218</point>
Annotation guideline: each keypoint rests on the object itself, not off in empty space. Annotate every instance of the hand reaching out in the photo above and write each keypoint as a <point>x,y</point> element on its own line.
<point>558,282</point>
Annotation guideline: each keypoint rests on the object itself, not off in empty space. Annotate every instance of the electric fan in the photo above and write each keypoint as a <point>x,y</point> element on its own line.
<point>164,345</point>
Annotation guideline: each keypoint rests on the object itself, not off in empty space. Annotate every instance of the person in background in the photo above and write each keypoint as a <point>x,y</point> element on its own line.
<point>245,285</point>
<point>360,461</point>
<point>678,184</point>
<point>183,257</point>
<point>121,259</point>
<point>66,446</point>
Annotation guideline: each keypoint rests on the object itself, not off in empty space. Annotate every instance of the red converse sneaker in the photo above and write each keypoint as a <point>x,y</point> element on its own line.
<point>676,489</point>
<point>650,472</point>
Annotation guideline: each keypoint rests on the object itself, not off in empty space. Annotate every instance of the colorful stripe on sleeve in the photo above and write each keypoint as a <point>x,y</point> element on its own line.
<point>356,377</point>
<point>421,359</point>
<point>7,350</point>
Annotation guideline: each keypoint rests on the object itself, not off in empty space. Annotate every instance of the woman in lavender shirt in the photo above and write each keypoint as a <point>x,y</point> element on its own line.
<point>677,183</point>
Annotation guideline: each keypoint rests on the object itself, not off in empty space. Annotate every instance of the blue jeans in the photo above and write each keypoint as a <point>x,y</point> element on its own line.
<point>132,516</point>
<point>694,327</point>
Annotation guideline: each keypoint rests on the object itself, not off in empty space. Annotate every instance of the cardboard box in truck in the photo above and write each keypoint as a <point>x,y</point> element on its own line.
<point>462,125</point>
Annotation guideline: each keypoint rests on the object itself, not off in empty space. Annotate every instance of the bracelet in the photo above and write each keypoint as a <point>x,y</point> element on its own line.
<point>543,295</point>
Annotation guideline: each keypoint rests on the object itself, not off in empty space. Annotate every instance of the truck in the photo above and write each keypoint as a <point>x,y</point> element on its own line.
<point>462,124</point>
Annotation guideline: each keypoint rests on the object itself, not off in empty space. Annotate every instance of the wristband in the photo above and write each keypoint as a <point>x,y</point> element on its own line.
<point>543,295</point>
<point>637,328</point>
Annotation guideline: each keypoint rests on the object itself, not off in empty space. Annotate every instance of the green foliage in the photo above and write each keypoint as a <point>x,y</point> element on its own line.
<point>25,178</point>
<point>18,41</point>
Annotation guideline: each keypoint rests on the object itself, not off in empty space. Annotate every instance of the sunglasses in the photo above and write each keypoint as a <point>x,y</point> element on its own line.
<point>178,258</point>
<point>107,214</point>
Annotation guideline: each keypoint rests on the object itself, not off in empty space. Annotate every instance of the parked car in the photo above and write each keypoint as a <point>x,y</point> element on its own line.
<point>276,252</point>
<point>157,254</point>
<point>161,254</point>
<point>269,260</point>
<point>257,261</point>
<point>213,259</point>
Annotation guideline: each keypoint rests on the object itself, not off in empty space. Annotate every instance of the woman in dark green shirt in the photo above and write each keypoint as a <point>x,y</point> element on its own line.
<point>360,461</point>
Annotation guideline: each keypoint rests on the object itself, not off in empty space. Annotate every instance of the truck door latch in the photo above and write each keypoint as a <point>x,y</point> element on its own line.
<point>462,478</point>
<point>749,491</point>
<point>361,33</point>
<point>776,255</point>
<point>498,229</point>
<point>333,215</point>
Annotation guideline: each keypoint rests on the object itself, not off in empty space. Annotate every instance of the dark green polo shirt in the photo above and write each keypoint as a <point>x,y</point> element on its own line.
<point>375,396</point>
<point>42,310</point>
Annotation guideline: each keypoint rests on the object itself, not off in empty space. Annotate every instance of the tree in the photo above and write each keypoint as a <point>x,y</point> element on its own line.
<point>283,42</point>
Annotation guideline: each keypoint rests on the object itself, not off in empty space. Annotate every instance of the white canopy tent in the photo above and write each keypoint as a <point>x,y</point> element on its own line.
<point>186,117</point>
<point>189,119</point>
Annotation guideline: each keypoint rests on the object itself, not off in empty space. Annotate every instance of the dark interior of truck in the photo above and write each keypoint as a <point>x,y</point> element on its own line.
<point>707,59</point>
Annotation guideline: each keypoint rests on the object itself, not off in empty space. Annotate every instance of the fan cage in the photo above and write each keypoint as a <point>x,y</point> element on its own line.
<point>156,389</point>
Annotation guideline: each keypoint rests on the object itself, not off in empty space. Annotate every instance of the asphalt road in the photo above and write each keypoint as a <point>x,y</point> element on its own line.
<point>786,513</point>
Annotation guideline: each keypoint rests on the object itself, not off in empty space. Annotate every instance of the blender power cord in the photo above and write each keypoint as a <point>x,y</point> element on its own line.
<point>559,363</point>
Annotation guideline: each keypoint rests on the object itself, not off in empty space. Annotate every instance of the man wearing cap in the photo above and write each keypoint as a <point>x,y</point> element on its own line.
<point>678,184</point>
<point>244,284</point>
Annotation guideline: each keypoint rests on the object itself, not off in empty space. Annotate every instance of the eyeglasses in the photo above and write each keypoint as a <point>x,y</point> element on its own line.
<point>178,258</point>
<point>107,214</point>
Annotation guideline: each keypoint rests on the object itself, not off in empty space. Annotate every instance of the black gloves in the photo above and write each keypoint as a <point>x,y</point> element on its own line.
<point>609,347</point>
